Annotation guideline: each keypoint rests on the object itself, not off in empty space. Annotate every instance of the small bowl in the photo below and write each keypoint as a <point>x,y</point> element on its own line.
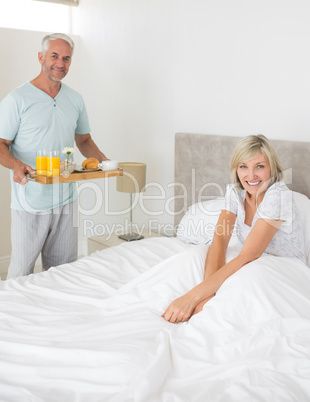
<point>108,165</point>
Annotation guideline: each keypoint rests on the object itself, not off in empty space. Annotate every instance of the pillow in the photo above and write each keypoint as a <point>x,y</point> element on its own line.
<point>198,224</point>
<point>303,205</point>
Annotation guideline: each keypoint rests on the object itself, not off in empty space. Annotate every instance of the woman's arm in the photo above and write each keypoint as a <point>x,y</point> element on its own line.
<point>256,243</point>
<point>216,256</point>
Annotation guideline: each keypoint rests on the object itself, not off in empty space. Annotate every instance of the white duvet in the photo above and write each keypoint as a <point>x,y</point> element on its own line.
<point>92,330</point>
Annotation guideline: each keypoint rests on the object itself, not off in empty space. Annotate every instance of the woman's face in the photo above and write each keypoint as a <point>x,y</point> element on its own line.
<point>255,174</point>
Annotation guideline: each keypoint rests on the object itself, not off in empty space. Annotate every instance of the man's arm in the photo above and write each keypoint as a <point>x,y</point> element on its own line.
<point>7,159</point>
<point>88,148</point>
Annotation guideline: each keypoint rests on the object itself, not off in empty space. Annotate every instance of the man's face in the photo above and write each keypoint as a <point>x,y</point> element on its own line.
<point>56,61</point>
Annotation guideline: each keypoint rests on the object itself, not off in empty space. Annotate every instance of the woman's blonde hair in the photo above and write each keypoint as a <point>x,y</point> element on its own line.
<point>247,149</point>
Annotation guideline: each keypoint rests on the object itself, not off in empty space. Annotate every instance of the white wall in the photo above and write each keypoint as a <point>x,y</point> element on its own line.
<point>151,68</point>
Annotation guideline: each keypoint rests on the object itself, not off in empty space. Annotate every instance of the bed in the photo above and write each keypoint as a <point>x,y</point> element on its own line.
<point>92,330</point>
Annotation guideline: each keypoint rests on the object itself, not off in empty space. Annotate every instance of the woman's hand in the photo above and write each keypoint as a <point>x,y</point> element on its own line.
<point>184,307</point>
<point>200,305</point>
<point>180,309</point>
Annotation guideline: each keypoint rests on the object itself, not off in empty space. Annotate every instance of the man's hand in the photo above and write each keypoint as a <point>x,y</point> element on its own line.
<point>19,168</point>
<point>20,172</point>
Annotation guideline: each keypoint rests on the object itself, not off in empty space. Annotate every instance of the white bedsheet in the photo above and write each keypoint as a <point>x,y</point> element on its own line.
<point>92,330</point>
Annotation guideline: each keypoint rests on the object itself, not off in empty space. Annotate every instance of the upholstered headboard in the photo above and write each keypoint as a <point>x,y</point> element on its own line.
<point>202,164</point>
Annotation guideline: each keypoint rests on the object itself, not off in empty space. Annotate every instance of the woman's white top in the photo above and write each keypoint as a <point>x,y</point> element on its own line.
<point>277,204</point>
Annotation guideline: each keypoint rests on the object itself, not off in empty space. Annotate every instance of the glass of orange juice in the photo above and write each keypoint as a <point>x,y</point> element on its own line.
<point>53,163</point>
<point>41,162</point>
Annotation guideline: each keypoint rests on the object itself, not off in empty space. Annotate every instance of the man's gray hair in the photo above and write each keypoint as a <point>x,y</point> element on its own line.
<point>45,43</point>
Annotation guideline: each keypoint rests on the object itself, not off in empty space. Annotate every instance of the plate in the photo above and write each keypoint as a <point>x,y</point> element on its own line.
<point>81,169</point>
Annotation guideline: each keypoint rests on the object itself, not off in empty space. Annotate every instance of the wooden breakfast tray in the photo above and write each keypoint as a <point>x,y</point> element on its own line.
<point>77,176</point>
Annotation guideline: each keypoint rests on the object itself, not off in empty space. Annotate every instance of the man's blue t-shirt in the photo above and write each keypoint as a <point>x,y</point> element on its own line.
<point>33,120</point>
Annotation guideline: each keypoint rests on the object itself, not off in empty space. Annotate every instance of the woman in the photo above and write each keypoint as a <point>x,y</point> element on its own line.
<point>262,207</point>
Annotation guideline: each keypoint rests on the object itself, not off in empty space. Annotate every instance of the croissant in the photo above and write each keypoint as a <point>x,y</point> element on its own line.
<point>90,163</point>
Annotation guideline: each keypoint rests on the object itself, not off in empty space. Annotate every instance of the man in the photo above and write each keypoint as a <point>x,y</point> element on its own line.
<point>43,114</point>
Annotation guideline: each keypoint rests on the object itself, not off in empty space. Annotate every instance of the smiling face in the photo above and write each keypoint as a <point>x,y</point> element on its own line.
<point>57,60</point>
<point>255,174</point>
